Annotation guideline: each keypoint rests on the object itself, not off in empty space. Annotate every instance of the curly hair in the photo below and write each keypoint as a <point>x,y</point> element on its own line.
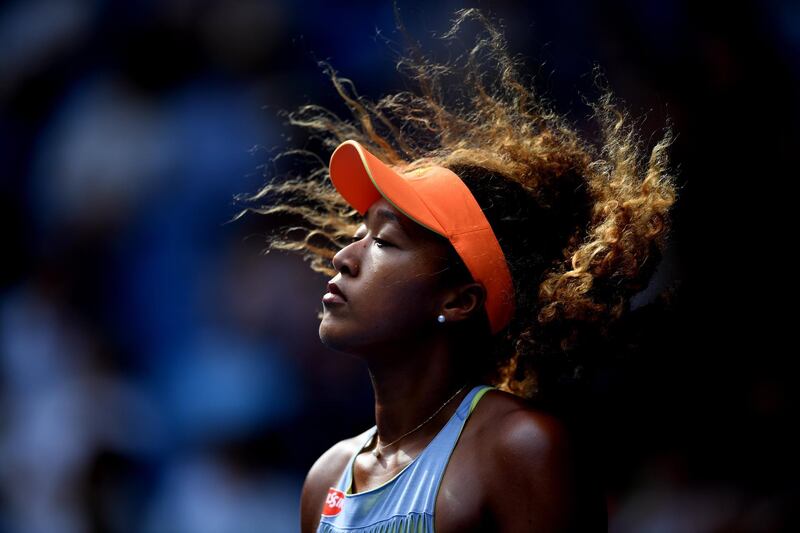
<point>581,224</point>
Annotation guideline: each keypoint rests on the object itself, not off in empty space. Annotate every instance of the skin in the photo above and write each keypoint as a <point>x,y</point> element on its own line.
<point>513,468</point>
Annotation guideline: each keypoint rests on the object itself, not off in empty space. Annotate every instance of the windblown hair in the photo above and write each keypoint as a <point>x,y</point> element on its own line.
<point>582,225</point>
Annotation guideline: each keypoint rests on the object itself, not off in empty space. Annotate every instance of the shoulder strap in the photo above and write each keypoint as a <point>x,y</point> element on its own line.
<point>348,473</point>
<point>478,396</point>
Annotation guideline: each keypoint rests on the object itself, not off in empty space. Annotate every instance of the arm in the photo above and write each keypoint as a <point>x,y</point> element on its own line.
<point>310,501</point>
<point>535,481</point>
<point>324,473</point>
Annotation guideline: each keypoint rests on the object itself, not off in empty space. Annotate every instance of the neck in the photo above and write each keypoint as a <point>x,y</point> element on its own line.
<point>410,383</point>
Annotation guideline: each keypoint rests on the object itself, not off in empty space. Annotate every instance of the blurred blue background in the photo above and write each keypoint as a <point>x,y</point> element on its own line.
<point>157,374</point>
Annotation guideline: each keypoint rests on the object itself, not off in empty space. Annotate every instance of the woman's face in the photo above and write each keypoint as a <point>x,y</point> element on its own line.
<point>390,276</point>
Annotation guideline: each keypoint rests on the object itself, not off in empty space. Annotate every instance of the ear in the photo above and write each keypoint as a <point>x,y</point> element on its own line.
<point>463,302</point>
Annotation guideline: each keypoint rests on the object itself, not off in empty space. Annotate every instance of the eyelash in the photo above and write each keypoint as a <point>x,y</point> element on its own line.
<point>381,243</point>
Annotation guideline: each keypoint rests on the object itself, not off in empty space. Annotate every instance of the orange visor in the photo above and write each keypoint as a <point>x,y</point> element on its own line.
<point>436,198</point>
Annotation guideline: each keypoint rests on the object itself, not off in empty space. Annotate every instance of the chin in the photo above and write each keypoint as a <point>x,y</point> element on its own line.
<point>344,338</point>
<point>332,336</point>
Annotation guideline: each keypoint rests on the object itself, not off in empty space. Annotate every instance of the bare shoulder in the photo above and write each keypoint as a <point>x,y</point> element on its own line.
<point>516,423</point>
<point>322,475</point>
<point>535,478</point>
<point>507,423</point>
<point>520,428</point>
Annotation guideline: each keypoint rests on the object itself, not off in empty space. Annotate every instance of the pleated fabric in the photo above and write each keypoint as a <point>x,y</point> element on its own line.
<point>411,523</point>
<point>406,502</point>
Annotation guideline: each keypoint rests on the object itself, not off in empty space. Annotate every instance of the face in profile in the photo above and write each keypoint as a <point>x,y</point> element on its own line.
<point>391,280</point>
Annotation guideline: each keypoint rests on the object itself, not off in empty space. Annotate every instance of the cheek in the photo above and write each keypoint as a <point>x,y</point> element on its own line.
<point>404,286</point>
<point>402,303</point>
<point>397,300</point>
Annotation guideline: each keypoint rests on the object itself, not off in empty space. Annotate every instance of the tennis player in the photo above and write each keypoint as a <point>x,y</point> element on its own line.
<point>477,247</point>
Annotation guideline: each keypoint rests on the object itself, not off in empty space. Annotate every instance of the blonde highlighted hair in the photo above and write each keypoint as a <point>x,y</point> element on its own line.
<point>582,224</point>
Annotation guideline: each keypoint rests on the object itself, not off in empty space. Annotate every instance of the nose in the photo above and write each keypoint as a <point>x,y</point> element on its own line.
<point>345,261</point>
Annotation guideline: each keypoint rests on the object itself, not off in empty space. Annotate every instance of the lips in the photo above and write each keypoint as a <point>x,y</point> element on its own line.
<point>334,289</point>
<point>334,295</point>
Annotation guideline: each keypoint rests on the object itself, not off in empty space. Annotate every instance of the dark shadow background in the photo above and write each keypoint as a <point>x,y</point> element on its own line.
<point>158,374</point>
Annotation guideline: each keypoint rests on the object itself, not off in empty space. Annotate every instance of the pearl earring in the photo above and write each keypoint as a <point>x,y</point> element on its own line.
<point>441,319</point>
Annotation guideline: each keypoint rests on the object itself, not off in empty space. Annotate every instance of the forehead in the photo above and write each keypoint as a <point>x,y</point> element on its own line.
<point>383,212</point>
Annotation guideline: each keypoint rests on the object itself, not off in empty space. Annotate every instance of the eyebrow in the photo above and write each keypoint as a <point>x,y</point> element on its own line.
<point>385,214</point>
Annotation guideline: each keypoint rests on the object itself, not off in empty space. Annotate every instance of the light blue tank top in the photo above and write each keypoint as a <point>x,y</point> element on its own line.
<point>405,502</point>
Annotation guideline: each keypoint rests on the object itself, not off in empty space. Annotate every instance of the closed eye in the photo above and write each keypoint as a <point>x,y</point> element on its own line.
<point>380,242</point>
